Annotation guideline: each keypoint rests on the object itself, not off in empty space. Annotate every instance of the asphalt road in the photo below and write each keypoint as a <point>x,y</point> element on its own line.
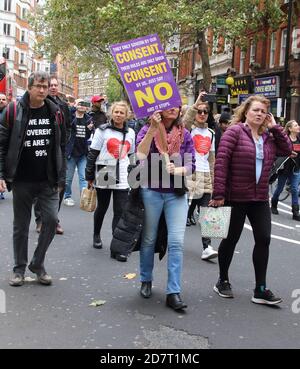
<point>60,316</point>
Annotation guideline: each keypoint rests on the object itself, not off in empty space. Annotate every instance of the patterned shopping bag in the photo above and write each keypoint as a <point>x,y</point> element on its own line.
<point>214,222</point>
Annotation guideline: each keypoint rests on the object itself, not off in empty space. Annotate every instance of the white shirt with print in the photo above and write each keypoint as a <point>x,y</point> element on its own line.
<point>204,142</point>
<point>109,142</point>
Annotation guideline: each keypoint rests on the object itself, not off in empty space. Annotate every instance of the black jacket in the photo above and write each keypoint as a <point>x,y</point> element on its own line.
<point>128,232</point>
<point>12,137</point>
<point>98,117</point>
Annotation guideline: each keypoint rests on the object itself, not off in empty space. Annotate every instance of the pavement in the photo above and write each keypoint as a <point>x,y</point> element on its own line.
<point>65,315</point>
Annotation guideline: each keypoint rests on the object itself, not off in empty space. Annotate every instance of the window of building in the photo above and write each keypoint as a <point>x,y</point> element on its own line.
<point>6,29</point>
<point>22,58</point>
<point>283,46</point>
<point>6,52</point>
<point>242,62</point>
<point>252,52</point>
<point>7,5</point>
<point>174,67</point>
<point>215,44</point>
<point>296,41</point>
<point>272,50</point>
<point>38,66</point>
<point>23,36</point>
<point>24,13</point>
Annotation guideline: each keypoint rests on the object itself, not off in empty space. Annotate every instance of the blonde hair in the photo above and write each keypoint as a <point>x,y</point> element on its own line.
<point>205,104</point>
<point>123,104</point>
<point>241,111</point>
<point>288,126</point>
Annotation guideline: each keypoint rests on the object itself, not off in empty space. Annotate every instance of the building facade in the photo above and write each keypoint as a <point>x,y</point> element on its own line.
<point>17,42</point>
<point>93,84</point>
<point>271,65</point>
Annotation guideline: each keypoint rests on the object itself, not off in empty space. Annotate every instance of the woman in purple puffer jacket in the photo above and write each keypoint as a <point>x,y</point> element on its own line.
<point>246,153</point>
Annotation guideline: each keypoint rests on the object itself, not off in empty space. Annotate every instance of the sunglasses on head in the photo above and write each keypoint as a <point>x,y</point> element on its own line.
<point>202,111</point>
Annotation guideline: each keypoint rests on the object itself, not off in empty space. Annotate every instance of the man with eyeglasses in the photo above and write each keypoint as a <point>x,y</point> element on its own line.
<point>32,165</point>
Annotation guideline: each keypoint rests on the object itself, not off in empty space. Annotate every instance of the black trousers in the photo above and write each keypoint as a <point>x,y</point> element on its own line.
<point>203,201</point>
<point>37,208</point>
<point>120,198</point>
<point>259,216</point>
<point>24,195</point>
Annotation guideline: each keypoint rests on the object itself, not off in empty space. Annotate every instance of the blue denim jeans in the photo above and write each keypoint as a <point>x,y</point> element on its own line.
<point>294,179</point>
<point>175,210</point>
<point>72,163</point>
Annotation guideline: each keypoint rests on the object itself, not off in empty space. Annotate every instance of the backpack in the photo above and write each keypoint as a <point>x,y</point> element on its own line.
<point>11,113</point>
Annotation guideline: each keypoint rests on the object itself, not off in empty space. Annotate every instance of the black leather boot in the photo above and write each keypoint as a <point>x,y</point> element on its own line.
<point>119,257</point>
<point>146,289</point>
<point>174,301</point>
<point>97,243</point>
<point>295,211</point>
<point>274,207</point>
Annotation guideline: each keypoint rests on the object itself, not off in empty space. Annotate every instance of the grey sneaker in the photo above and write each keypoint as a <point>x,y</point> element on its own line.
<point>45,279</point>
<point>41,276</point>
<point>223,289</point>
<point>17,279</point>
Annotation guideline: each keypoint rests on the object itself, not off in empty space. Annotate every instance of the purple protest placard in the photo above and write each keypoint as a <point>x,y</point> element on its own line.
<point>146,75</point>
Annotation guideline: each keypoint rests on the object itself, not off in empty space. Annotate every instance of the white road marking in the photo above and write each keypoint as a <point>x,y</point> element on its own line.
<point>282,225</point>
<point>285,205</point>
<point>276,237</point>
<point>284,211</point>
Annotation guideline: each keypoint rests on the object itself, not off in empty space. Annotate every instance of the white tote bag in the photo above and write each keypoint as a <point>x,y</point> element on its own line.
<point>214,222</point>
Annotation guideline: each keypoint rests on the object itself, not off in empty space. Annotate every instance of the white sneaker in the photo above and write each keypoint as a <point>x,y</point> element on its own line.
<point>69,202</point>
<point>209,253</point>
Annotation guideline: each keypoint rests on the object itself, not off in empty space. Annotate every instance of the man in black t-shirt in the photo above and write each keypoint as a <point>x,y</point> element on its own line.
<point>32,165</point>
<point>53,94</point>
<point>77,149</point>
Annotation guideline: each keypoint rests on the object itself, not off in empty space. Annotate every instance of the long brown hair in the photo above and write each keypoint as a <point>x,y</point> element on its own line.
<point>241,111</point>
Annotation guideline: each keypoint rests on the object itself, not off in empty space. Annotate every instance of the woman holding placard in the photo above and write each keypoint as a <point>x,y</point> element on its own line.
<point>166,149</point>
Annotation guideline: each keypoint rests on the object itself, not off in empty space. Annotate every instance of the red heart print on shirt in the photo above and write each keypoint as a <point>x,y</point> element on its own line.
<point>114,146</point>
<point>202,144</point>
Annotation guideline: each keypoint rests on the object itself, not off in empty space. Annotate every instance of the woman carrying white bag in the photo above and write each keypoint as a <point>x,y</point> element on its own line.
<point>245,156</point>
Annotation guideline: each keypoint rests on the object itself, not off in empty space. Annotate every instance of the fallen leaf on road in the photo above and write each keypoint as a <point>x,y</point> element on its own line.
<point>98,303</point>
<point>129,275</point>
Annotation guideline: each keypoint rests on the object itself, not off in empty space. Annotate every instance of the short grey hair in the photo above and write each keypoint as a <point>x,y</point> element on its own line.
<point>38,76</point>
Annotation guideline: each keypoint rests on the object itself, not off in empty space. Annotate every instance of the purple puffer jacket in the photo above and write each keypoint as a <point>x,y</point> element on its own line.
<point>235,167</point>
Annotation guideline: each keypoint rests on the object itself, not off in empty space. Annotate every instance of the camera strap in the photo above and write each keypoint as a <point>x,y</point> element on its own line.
<point>120,154</point>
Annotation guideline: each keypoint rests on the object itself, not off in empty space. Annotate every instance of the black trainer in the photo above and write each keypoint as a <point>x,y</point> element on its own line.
<point>223,289</point>
<point>265,297</point>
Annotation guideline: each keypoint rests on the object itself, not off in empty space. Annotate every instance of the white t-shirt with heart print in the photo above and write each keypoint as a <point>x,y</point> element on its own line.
<point>109,142</point>
<point>204,142</point>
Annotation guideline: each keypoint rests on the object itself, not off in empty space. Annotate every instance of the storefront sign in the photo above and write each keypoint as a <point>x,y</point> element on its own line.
<point>267,86</point>
<point>146,75</point>
<point>241,86</point>
<point>221,81</point>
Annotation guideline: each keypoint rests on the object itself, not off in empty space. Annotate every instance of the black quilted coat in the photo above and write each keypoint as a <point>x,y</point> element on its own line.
<point>128,232</point>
